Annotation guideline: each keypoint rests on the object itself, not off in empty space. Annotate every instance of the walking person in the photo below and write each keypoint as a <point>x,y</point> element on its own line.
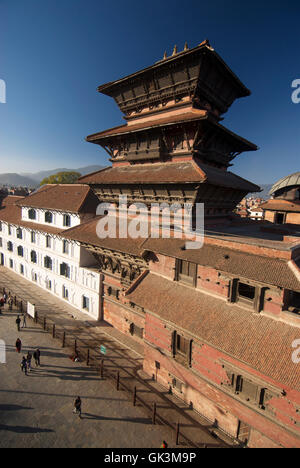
<point>38,355</point>
<point>77,407</point>
<point>10,303</point>
<point>29,358</point>
<point>18,321</point>
<point>35,356</point>
<point>18,345</point>
<point>24,320</point>
<point>24,365</point>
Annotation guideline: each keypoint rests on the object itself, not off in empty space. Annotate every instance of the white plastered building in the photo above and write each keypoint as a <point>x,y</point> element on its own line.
<point>32,244</point>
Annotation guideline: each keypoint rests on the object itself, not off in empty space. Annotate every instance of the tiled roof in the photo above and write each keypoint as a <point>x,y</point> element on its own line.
<point>160,173</point>
<point>192,115</point>
<point>262,343</point>
<point>267,270</point>
<point>87,233</point>
<point>73,198</point>
<point>281,205</point>
<point>11,214</point>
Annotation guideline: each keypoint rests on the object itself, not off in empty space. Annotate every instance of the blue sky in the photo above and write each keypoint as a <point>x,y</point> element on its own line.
<point>54,54</point>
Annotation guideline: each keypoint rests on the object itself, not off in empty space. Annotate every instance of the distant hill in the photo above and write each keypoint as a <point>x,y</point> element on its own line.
<point>29,179</point>
<point>16,180</point>
<point>39,176</point>
<point>264,194</point>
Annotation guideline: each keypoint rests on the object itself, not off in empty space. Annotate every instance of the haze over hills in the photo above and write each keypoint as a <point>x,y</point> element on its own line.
<point>28,179</point>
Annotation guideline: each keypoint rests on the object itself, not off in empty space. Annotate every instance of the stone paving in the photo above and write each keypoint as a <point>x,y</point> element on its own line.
<point>36,410</point>
<point>124,352</point>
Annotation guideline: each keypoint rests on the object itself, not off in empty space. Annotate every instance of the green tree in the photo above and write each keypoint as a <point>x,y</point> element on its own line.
<point>61,178</point>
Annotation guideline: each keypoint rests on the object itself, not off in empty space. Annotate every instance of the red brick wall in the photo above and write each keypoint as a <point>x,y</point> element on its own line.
<point>164,266</point>
<point>202,389</point>
<point>210,280</point>
<point>293,218</point>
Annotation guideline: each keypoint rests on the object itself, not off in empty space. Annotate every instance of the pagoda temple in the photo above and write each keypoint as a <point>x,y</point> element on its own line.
<point>173,147</point>
<point>217,324</point>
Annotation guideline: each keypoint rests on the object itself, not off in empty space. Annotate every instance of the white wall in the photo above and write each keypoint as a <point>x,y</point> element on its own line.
<point>82,281</point>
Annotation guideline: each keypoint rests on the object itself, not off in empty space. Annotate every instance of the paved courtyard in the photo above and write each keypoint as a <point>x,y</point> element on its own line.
<point>36,410</point>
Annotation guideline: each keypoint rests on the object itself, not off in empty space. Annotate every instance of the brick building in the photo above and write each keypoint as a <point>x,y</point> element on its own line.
<point>284,207</point>
<point>219,323</point>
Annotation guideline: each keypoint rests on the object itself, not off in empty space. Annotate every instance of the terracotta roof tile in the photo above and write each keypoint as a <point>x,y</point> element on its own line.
<point>267,270</point>
<point>71,198</point>
<point>281,205</point>
<point>11,214</point>
<point>160,173</point>
<point>262,343</point>
<point>87,233</point>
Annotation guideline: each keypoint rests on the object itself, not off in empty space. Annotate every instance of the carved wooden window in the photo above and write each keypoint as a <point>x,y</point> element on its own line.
<point>182,349</point>
<point>247,294</point>
<point>186,272</point>
<point>136,331</point>
<point>293,302</point>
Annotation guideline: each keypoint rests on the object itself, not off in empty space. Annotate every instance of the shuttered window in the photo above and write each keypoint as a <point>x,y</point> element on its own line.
<point>186,272</point>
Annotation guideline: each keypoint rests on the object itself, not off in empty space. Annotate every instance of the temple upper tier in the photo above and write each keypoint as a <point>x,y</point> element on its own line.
<point>197,78</point>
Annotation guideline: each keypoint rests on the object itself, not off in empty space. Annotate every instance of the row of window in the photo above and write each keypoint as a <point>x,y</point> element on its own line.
<point>245,293</point>
<point>48,243</point>
<point>48,263</point>
<point>48,283</point>
<point>241,386</point>
<point>48,217</point>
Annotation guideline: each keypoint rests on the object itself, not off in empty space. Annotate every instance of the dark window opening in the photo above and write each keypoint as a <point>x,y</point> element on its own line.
<point>48,217</point>
<point>48,263</point>
<point>32,214</point>
<point>19,233</point>
<point>67,220</point>
<point>294,302</point>
<point>33,256</point>
<point>279,218</point>
<point>136,331</point>
<point>245,291</point>
<point>65,270</point>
